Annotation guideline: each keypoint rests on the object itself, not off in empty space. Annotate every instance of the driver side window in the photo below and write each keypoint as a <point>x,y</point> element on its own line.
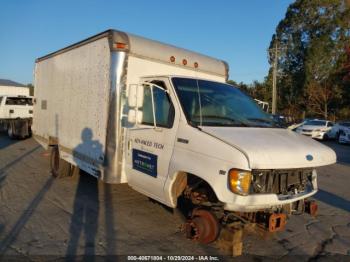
<point>164,109</point>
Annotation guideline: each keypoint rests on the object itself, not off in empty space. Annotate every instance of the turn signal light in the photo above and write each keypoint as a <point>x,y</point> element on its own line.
<point>239,181</point>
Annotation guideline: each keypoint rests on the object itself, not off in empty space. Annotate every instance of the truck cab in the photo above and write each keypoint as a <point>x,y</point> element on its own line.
<point>16,114</point>
<point>205,138</point>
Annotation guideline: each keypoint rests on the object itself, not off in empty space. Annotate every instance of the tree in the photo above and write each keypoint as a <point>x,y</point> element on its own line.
<point>31,89</point>
<point>312,39</point>
<point>346,68</point>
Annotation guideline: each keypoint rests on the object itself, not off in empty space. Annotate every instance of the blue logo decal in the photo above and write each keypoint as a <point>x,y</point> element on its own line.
<point>309,157</point>
<point>144,162</point>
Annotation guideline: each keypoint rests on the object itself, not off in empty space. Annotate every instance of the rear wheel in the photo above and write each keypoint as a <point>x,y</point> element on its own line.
<point>58,166</point>
<point>54,161</point>
<point>11,132</point>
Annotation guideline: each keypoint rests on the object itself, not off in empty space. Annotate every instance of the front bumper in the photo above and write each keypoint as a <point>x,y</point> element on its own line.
<point>259,202</point>
<point>313,134</point>
<point>269,201</point>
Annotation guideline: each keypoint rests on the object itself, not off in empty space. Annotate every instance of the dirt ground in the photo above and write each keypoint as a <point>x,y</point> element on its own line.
<point>47,219</point>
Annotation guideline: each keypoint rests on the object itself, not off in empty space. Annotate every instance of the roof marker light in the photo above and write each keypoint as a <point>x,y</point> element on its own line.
<point>172,59</point>
<point>184,61</point>
<point>119,45</point>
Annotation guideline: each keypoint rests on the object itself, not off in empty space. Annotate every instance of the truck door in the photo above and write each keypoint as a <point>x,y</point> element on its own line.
<point>150,143</point>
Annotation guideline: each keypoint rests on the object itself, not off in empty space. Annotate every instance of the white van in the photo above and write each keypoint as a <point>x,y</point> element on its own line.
<point>127,109</point>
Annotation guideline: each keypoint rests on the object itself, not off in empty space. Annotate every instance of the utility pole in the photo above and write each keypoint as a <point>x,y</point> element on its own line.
<point>274,81</point>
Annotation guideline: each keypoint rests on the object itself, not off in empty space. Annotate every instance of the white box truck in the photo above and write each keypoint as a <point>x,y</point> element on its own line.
<point>127,109</point>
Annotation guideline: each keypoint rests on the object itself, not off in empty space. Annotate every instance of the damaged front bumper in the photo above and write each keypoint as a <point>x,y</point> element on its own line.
<point>275,189</point>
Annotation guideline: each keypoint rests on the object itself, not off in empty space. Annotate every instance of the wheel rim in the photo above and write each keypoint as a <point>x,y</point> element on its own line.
<point>54,163</point>
<point>204,226</point>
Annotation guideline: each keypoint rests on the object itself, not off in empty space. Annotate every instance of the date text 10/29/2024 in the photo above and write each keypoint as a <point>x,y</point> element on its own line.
<point>173,258</point>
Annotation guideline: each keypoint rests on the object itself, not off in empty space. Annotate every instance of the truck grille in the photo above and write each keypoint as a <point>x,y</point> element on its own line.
<point>281,182</point>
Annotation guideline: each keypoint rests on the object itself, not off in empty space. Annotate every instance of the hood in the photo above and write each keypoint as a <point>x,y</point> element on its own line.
<point>274,148</point>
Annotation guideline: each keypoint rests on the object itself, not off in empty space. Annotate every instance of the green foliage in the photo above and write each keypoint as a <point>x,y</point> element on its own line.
<point>313,73</point>
<point>31,89</point>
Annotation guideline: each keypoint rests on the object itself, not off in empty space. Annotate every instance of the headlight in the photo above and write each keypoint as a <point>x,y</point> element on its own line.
<point>239,181</point>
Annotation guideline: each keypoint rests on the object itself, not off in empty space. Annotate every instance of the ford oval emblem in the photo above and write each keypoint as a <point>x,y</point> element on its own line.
<point>309,157</point>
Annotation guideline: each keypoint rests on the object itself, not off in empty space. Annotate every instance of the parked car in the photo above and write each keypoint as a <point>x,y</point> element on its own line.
<point>295,126</point>
<point>318,129</point>
<point>344,135</point>
<point>337,128</point>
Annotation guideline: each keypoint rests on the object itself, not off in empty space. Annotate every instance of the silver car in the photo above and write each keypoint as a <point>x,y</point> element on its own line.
<point>318,129</point>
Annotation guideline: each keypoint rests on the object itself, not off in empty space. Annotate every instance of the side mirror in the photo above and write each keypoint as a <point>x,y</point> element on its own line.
<point>135,116</point>
<point>135,97</point>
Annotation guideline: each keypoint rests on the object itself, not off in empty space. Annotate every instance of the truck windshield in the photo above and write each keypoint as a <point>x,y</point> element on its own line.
<point>210,103</point>
<point>22,101</point>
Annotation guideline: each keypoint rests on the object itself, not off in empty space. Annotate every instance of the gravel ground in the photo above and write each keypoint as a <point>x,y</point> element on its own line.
<point>45,218</point>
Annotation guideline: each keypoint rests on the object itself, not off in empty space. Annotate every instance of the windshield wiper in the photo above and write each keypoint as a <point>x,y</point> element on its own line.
<point>262,120</point>
<point>270,123</point>
<point>235,122</point>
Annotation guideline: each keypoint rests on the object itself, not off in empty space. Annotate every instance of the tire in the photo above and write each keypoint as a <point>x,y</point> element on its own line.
<point>59,168</point>
<point>10,132</point>
<point>54,161</point>
<point>30,131</point>
<point>325,137</point>
<point>339,142</point>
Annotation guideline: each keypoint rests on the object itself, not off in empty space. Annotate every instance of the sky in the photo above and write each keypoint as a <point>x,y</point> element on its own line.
<point>237,31</point>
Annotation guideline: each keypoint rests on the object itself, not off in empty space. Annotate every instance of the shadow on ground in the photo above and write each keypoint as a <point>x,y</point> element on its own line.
<point>342,151</point>
<point>5,141</point>
<point>24,218</point>
<point>333,200</point>
<point>84,221</point>
<point>14,162</point>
